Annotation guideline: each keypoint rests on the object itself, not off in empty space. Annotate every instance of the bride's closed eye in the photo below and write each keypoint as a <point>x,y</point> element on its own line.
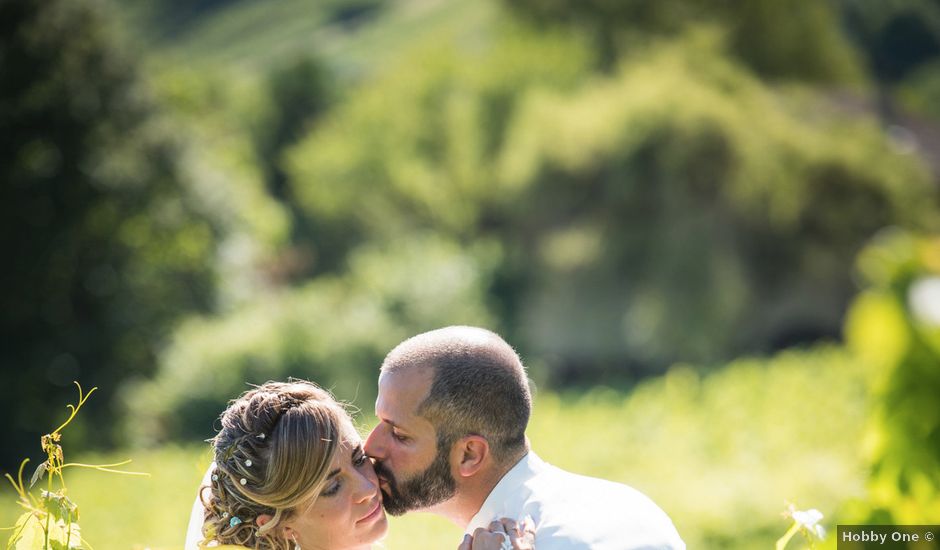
<point>332,489</point>
<point>359,460</point>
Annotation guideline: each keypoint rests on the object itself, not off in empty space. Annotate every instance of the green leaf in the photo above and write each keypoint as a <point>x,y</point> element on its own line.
<point>27,534</point>
<point>59,505</point>
<point>39,473</point>
<point>63,536</point>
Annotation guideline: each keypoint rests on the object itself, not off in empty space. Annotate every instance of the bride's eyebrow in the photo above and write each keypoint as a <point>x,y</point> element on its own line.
<point>356,451</point>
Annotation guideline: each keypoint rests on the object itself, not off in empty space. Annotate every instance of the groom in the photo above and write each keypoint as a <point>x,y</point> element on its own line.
<point>453,406</point>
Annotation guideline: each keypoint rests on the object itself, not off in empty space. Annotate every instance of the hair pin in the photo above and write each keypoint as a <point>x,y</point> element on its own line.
<point>261,436</point>
<point>215,477</point>
<point>248,463</point>
<point>234,521</point>
<point>243,481</point>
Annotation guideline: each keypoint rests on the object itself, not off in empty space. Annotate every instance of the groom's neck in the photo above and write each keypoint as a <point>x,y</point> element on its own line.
<point>471,493</point>
<point>468,500</point>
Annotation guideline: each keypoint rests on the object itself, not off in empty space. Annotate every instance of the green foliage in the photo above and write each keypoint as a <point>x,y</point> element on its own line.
<point>675,210</point>
<point>414,149</point>
<point>920,91</point>
<point>896,37</point>
<point>215,115</point>
<point>51,520</point>
<point>894,328</point>
<point>353,37</point>
<point>727,218</point>
<point>299,94</point>
<point>722,452</point>
<point>334,330</point>
<point>775,38</point>
<point>105,244</point>
<point>614,188</point>
<point>121,513</point>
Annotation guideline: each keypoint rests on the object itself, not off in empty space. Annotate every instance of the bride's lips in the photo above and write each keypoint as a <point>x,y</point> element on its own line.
<point>373,513</point>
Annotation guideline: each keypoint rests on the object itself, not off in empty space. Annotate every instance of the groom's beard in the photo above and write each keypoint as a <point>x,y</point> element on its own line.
<point>432,486</point>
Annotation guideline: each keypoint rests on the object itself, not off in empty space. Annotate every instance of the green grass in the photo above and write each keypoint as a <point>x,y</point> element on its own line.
<point>128,511</point>
<point>720,453</point>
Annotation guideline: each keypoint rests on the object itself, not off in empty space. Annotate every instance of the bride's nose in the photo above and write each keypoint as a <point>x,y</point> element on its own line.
<point>367,487</point>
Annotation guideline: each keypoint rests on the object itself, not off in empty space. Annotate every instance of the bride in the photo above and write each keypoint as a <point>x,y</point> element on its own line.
<point>290,474</point>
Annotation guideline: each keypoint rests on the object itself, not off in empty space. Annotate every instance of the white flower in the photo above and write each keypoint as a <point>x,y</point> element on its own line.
<point>809,520</point>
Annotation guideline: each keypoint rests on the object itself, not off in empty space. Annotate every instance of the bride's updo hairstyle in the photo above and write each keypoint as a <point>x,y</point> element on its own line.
<point>272,455</point>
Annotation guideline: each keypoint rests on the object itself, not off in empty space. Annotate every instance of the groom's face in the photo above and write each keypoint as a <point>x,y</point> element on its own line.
<point>413,473</point>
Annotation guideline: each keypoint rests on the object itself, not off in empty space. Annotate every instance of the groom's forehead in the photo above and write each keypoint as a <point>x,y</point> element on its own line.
<point>400,394</point>
<point>407,384</point>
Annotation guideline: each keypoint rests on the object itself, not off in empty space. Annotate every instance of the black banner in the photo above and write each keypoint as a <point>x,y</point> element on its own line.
<point>888,537</point>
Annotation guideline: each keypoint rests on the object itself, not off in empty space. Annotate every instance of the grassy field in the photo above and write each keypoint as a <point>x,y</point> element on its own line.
<point>720,453</point>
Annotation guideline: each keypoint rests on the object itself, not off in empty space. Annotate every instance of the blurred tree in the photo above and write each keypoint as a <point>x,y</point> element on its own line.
<point>894,330</point>
<point>333,330</point>
<point>900,41</point>
<point>165,20</point>
<point>714,218</point>
<point>675,210</point>
<point>897,37</point>
<point>216,116</point>
<point>672,207</point>
<point>920,94</point>
<point>299,93</point>
<point>775,38</point>
<point>610,22</point>
<point>104,244</point>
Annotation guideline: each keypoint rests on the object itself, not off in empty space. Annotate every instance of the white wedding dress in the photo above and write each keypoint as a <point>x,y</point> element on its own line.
<point>194,531</point>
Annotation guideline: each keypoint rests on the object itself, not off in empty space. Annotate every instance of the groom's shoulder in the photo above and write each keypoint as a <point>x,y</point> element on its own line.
<point>615,512</point>
<point>558,479</point>
<point>578,489</point>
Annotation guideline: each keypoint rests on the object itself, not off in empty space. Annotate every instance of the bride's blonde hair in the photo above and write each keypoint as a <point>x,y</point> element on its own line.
<point>272,455</point>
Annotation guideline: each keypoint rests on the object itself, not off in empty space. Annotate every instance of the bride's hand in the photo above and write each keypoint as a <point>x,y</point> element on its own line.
<point>502,535</point>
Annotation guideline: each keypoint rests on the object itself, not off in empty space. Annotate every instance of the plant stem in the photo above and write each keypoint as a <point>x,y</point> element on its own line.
<point>49,489</point>
<point>782,542</point>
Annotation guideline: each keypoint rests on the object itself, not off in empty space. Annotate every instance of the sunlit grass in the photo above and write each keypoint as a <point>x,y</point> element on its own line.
<point>131,512</point>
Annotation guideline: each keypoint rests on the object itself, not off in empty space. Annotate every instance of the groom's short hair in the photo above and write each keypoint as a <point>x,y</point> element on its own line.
<point>479,387</point>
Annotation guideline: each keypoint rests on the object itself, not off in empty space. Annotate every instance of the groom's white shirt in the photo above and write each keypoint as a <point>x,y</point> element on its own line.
<point>574,512</point>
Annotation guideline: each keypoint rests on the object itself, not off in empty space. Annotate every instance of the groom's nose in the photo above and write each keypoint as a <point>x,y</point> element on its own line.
<point>375,443</point>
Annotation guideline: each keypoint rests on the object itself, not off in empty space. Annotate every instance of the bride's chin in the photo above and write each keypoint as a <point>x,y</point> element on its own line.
<point>380,529</point>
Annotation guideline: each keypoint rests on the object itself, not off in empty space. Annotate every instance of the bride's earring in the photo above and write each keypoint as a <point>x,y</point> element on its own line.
<point>296,546</point>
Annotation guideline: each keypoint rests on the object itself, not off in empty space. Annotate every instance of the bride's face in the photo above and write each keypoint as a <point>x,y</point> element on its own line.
<point>348,513</point>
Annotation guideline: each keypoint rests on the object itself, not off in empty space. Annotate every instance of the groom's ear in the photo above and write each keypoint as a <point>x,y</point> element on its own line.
<point>469,454</point>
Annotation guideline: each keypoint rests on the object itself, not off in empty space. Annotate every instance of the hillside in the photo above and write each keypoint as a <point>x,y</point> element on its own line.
<point>351,37</point>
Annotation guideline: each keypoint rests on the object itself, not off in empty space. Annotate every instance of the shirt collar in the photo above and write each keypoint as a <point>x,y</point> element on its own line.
<point>508,487</point>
